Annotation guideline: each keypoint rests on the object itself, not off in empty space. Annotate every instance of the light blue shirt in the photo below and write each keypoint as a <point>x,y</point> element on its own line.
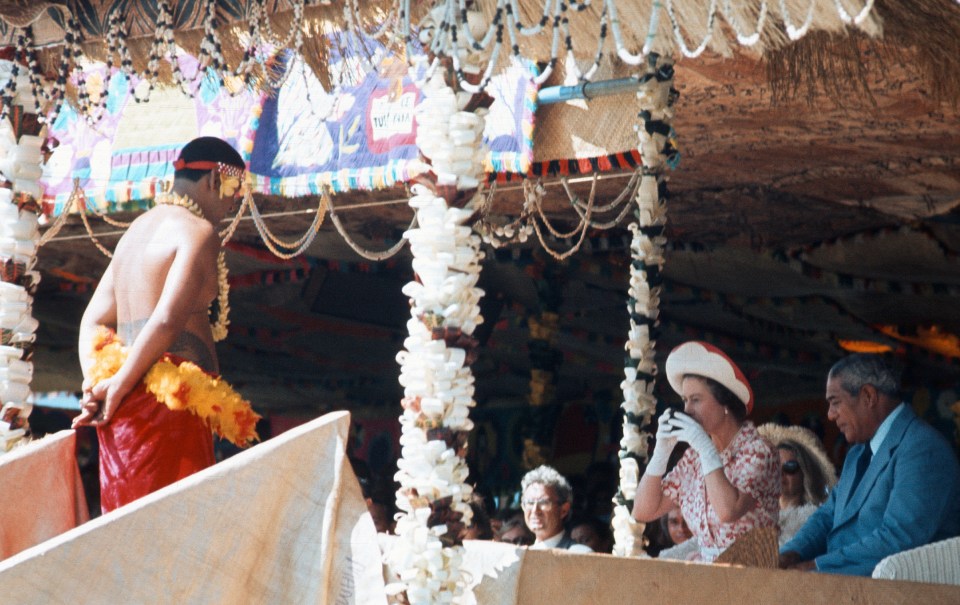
<point>877,440</point>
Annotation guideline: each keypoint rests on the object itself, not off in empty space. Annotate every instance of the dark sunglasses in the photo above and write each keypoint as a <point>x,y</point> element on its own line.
<point>791,467</point>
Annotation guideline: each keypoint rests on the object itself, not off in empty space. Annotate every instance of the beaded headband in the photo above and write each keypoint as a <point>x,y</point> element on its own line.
<point>227,169</point>
<point>230,176</point>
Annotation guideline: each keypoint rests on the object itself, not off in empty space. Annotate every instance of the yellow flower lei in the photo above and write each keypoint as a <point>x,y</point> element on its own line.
<point>183,386</point>
<point>218,327</point>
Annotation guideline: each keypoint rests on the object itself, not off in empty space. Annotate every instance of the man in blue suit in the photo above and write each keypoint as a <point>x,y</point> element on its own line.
<point>900,485</point>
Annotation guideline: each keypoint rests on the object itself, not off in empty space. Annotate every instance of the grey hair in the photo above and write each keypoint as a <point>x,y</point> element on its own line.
<point>856,371</point>
<point>548,476</point>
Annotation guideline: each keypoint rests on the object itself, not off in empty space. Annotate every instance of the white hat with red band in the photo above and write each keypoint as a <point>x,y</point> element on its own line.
<point>704,359</point>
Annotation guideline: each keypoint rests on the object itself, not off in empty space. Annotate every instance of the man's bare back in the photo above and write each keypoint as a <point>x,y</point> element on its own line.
<point>155,294</point>
<point>141,271</point>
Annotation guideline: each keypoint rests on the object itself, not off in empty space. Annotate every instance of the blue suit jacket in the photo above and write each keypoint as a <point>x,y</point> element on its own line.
<point>909,496</point>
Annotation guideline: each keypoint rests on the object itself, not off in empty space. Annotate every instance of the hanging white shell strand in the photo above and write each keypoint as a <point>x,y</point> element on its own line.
<point>438,384</point>
<point>19,235</point>
<point>639,403</point>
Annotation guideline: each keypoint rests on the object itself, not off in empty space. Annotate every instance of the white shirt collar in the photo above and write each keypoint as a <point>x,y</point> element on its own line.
<point>550,542</point>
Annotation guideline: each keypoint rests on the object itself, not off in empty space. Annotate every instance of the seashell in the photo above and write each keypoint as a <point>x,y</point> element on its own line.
<point>462,154</point>
<point>13,293</point>
<point>31,141</point>
<point>28,187</point>
<point>446,178</point>
<point>466,119</point>
<point>27,170</point>
<point>16,392</point>
<point>466,183</point>
<point>412,289</point>
<point>463,138</point>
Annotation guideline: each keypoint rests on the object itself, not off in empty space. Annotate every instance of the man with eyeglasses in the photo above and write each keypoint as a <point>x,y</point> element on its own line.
<point>547,497</point>
<point>900,484</point>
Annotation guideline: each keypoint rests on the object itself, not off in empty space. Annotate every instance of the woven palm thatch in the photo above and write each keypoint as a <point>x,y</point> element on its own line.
<point>576,130</point>
<point>322,23</point>
<point>691,16</point>
<point>21,13</point>
<point>923,33</point>
<point>930,28</point>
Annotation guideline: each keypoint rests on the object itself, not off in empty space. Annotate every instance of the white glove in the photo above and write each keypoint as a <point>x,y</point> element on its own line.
<point>666,441</point>
<point>689,430</point>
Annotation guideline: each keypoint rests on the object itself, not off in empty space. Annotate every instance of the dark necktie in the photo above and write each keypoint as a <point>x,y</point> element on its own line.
<point>862,463</point>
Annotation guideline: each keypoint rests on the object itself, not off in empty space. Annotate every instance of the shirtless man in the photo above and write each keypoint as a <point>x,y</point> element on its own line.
<point>155,294</point>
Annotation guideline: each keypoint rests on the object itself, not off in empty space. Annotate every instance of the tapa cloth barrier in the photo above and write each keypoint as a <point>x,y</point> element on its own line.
<point>41,495</point>
<point>548,578</point>
<point>282,522</point>
<point>503,574</point>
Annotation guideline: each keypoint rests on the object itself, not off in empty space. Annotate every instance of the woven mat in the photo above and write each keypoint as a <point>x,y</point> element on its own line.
<point>756,548</point>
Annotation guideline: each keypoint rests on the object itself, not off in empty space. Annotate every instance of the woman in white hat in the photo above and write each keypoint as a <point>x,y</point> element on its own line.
<point>728,481</point>
<point>807,475</point>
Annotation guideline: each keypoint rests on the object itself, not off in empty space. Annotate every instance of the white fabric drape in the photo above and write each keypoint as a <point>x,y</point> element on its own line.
<point>283,522</point>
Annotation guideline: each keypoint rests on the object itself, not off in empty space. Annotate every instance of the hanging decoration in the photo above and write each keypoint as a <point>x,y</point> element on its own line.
<point>258,42</point>
<point>864,284</point>
<point>365,129</point>
<point>125,159</point>
<point>563,25</point>
<point>362,134</point>
<point>438,383</point>
<point>655,98</point>
<point>281,248</point>
<point>464,37</point>
<point>19,236</point>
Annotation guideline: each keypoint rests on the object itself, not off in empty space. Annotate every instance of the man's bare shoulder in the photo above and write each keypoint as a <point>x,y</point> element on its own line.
<point>170,228</point>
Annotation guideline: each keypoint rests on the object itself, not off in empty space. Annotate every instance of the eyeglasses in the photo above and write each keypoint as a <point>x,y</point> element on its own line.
<point>791,467</point>
<point>542,504</point>
<point>517,541</point>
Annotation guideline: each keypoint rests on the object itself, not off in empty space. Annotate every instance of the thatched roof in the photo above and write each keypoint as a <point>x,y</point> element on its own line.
<point>829,55</point>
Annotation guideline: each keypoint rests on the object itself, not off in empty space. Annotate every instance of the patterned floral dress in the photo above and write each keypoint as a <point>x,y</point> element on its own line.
<point>752,465</point>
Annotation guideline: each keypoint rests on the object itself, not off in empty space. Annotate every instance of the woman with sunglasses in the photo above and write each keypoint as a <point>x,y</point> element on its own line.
<point>728,481</point>
<point>807,475</point>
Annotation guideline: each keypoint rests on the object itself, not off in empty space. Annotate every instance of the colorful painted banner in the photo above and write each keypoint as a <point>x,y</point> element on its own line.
<point>123,158</point>
<point>363,135</point>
